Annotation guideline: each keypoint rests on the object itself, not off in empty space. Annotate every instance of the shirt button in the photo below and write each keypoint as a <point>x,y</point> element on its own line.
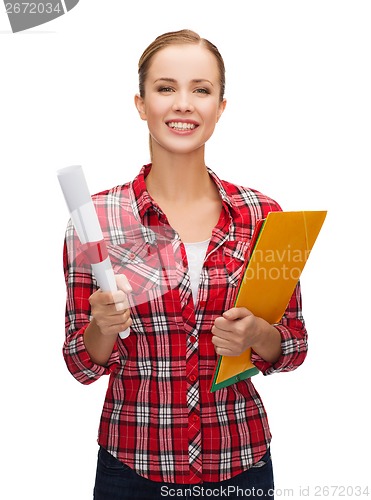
<point>192,339</point>
<point>202,303</point>
<point>131,256</point>
<point>195,418</point>
<point>192,378</point>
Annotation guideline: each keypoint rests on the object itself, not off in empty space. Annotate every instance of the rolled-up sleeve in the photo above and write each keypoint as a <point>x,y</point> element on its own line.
<point>80,284</point>
<point>294,337</point>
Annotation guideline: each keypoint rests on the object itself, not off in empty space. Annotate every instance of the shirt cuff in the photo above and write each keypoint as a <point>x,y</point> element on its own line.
<point>79,362</point>
<point>294,350</point>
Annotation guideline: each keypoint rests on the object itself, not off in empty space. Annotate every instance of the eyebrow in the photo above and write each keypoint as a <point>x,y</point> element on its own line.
<point>172,80</point>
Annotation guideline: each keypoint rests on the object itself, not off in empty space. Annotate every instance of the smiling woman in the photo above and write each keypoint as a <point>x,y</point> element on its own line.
<point>189,99</point>
<point>160,422</point>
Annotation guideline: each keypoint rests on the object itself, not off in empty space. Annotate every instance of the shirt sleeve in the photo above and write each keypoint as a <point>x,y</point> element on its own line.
<point>80,284</point>
<point>293,339</point>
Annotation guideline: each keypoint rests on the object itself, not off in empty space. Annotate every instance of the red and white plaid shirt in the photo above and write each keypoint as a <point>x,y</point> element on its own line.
<point>159,416</point>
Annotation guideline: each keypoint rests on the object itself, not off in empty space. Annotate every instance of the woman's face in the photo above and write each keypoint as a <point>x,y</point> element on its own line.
<point>182,98</point>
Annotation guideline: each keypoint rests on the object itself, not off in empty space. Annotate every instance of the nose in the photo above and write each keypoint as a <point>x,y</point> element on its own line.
<point>183,103</point>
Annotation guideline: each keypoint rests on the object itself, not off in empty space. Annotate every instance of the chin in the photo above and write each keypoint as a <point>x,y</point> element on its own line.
<point>179,148</point>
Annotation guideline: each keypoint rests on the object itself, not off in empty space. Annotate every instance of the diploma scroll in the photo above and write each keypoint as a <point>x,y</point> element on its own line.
<point>86,223</point>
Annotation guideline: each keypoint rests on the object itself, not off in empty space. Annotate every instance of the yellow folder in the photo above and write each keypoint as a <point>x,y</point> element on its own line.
<point>280,248</point>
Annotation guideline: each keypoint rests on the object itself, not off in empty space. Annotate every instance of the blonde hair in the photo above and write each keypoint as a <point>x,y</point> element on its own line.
<point>178,38</point>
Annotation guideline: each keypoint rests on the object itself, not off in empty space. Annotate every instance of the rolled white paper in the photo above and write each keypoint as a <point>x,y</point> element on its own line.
<point>86,223</point>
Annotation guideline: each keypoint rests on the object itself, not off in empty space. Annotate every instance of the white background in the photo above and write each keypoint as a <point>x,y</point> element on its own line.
<point>297,127</point>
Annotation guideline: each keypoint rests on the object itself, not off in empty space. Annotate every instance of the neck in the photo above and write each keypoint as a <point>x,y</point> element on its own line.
<point>179,178</point>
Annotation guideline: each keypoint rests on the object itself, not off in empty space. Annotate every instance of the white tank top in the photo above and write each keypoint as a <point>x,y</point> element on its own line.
<point>196,253</point>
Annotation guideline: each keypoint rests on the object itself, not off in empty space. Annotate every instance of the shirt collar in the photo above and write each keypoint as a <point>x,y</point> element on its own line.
<point>142,200</point>
<point>222,191</point>
<point>145,202</point>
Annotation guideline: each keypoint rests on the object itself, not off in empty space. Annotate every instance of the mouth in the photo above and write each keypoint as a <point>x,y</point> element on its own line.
<point>182,126</point>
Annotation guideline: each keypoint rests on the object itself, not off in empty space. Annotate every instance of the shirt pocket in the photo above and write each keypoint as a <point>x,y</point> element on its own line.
<point>139,262</point>
<point>234,256</point>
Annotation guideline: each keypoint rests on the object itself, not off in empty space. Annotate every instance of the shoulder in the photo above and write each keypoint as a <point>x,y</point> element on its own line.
<point>252,199</point>
<point>123,194</point>
<point>113,195</point>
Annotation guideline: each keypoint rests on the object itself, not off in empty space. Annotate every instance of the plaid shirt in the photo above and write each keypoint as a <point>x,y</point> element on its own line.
<point>159,416</point>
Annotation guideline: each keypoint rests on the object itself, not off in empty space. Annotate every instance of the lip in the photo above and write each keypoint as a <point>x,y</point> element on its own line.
<point>185,131</point>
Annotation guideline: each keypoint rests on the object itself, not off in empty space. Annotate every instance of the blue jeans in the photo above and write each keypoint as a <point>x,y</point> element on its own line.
<point>117,481</point>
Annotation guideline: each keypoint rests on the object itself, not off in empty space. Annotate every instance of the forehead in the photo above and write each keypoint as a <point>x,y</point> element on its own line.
<point>186,61</point>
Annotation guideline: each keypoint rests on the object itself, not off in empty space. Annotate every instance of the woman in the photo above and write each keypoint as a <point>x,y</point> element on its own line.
<point>162,432</point>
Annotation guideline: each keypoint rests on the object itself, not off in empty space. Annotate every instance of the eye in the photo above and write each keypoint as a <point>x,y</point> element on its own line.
<point>202,91</point>
<point>165,89</point>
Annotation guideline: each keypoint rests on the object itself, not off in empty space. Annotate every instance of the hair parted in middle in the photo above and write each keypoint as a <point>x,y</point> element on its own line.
<point>180,37</point>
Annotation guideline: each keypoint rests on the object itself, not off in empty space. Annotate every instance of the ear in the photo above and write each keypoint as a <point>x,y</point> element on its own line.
<point>139,104</point>
<point>221,109</point>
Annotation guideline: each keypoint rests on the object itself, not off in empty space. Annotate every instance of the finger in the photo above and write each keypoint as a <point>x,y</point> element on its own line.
<point>224,352</point>
<point>123,283</point>
<point>220,332</point>
<point>100,298</point>
<point>220,342</point>
<point>117,298</point>
<point>107,304</point>
<point>123,286</point>
<point>236,313</point>
<point>116,328</point>
<point>120,300</point>
<point>105,299</point>
<point>112,317</point>
<point>223,324</point>
<point>222,347</point>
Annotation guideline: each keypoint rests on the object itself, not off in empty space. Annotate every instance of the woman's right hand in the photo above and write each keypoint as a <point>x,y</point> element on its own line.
<point>111,315</point>
<point>110,311</point>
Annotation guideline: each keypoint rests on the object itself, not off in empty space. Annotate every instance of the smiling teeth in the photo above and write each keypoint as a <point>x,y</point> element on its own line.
<point>181,125</point>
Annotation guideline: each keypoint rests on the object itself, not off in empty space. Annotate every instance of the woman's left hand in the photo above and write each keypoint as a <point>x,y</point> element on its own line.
<point>235,331</point>
<point>238,329</point>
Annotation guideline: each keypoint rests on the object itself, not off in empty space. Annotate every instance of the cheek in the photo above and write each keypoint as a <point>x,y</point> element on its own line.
<point>158,107</point>
<point>212,113</point>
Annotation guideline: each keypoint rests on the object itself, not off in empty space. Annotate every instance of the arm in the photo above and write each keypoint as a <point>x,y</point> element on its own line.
<point>279,347</point>
<point>89,351</point>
